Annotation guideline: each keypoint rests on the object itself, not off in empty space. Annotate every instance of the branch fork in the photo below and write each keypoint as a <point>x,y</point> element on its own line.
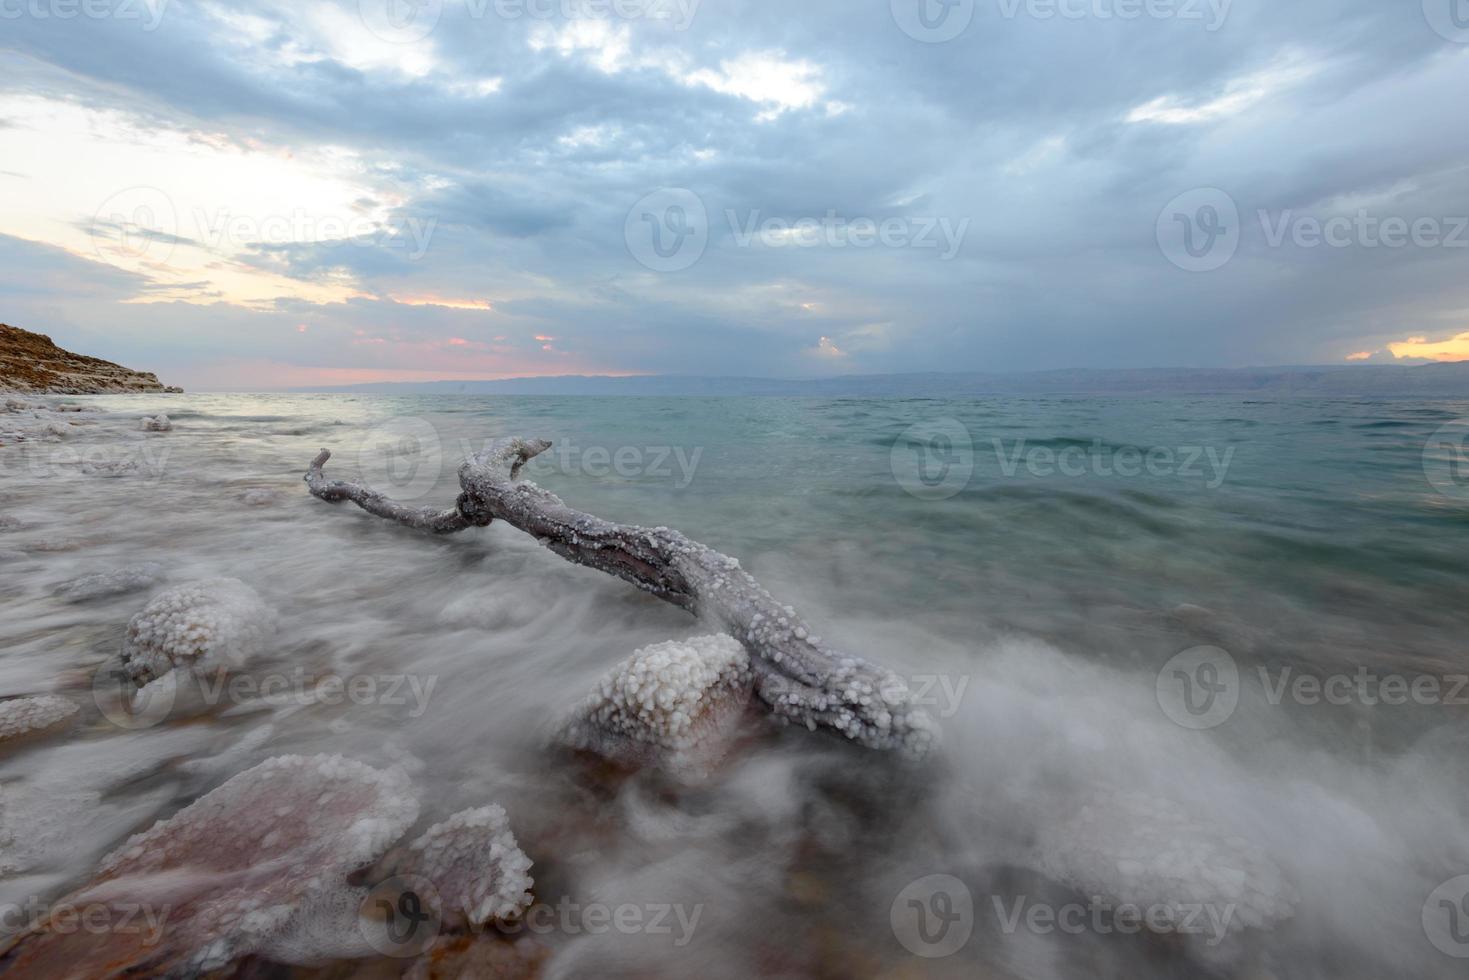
<point>797,677</point>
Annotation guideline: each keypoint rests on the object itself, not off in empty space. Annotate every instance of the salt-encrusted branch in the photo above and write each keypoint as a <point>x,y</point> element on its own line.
<point>422,518</point>
<point>798,677</point>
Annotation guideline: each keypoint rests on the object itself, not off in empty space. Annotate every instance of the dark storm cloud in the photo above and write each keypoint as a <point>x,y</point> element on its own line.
<point>1055,141</point>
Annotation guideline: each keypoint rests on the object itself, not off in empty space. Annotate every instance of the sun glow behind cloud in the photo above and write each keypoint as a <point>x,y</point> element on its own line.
<point>189,210</point>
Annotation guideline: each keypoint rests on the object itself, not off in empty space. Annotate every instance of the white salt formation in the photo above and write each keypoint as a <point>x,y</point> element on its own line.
<point>212,623</point>
<point>475,864</point>
<point>674,705</point>
<point>239,867</point>
<point>25,716</point>
<point>159,423</point>
<point>1149,852</point>
<point>118,581</point>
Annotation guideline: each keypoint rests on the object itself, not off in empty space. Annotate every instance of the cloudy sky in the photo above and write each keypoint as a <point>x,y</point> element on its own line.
<point>242,194</point>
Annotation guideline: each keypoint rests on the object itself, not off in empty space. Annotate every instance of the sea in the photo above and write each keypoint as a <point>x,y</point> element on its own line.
<point>1201,653</point>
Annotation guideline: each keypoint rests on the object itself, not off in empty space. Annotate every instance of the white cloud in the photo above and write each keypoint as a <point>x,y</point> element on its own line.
<point>770,79</point>
<point>1240,94</point>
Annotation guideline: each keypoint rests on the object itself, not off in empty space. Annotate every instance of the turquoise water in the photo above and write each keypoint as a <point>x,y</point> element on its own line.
<point>1036,564</point>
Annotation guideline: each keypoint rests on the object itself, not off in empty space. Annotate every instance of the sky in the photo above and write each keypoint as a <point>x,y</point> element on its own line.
<point>264,194</point>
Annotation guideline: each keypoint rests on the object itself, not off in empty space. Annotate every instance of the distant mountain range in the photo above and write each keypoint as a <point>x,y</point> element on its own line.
<point>1433,380</point>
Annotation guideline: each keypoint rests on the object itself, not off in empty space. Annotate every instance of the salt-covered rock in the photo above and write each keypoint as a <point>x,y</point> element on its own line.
<point>674,705</point>
<point>117,581</point>
<point>28,716</point>
<point>1141,850</point>
<point>233,871</point>
<point>476,866</point>
<point>157,423</point>
<point>212,623</point>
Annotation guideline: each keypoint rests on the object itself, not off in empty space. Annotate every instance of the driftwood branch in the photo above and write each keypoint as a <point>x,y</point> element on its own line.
<point>798,677</point>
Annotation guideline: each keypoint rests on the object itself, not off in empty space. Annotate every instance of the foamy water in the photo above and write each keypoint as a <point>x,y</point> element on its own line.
<point>1037,607</point>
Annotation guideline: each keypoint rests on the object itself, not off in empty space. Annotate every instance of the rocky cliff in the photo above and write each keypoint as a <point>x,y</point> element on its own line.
<point>31,362</point>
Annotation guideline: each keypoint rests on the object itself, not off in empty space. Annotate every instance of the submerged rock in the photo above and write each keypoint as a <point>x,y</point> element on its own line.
<point>218,622</point>
<point>28,716</point>
<point>98,585</point>
<point>158,423</point>
<point>473,861</point>
<point>1149,852</point>
<point>232,872</point>
<point>672,705</point>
